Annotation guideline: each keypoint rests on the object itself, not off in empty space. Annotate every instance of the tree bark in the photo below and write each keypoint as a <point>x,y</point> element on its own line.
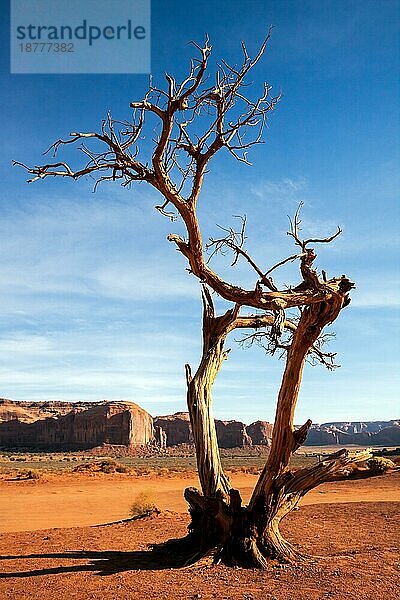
<point>199,400</point>
<point>221,528</point>
<point>270,499</point>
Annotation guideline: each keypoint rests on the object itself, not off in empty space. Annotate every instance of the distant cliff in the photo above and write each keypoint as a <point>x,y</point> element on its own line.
<point>173,430</point>
<point>82,425</point>
<point>368,433</point>
<point>74,426</point>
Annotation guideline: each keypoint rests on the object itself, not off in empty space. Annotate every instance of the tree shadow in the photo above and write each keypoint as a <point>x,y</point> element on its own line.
<point>110,562</point>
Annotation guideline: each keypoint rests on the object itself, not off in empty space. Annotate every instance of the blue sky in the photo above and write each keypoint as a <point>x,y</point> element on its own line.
<point>96,304</point>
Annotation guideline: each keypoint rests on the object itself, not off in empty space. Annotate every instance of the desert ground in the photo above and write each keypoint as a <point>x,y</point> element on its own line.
<point>79,500</point>
<point>68,535</point>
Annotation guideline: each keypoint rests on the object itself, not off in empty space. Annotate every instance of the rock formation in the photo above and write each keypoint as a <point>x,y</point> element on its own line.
<point>373,433</point>
<point>321,437</point>
<point>81,425</point>
<point>177,429</point>
<point>389,436</point>
<point>173,430</point>
<point>28,412</point>
<point>260,433</point>
<point>358,426</point>
<point>119,423</point>
<point>232,434</point>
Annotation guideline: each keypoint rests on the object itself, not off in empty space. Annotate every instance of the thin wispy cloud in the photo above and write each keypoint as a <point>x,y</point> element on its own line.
<point>91,297</point>
<point>369,298</point>
<point>142,365</point>
<point>74,249</point>
<point>284,191</point>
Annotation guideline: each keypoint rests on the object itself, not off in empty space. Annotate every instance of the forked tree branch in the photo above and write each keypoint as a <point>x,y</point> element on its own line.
<point>197,120</point>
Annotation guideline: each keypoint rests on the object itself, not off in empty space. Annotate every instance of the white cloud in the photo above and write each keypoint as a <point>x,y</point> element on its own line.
<point>151,279</point>
<point>141,365</point>
<point>72,249</point>
<point>381,297</point>
<point>285,189</point>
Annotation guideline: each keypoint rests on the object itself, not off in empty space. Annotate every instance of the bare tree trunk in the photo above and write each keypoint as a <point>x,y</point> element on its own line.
<point>199,400</point>
<point>221,528</point>
<point>269,500</point>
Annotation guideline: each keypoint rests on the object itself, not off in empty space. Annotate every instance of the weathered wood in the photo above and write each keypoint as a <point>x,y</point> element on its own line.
<point>220,525</point>
<point>199,400</point>
<point>199,390</point>
<point>285,440</point>
<point>237,534</point>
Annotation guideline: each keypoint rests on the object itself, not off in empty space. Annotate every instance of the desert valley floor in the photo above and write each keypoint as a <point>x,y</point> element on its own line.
<point>59,539</point>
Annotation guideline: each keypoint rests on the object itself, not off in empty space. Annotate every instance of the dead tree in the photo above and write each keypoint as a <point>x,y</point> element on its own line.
<point>193,120</point>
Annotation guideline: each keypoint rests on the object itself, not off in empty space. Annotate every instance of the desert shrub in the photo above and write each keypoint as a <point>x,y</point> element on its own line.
<point>83,467</point>
<point>143,471</point>
<point>120,468</point>
<point>144,503</point>
<point>107,465</point>
<point>28,474</point>
<point>111,466</point>
<point>253,470</point>
<point>163,472</point>
<point>7,470</point>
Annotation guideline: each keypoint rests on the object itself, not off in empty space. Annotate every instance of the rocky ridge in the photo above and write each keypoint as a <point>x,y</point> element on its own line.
<point>84,425</point>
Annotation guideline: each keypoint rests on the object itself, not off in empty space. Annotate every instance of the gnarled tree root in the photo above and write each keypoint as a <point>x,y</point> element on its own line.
<point>225,531</point>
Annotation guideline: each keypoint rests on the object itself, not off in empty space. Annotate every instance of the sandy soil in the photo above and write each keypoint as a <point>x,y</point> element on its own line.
<point>70,500</point>
<point>360,544</point>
